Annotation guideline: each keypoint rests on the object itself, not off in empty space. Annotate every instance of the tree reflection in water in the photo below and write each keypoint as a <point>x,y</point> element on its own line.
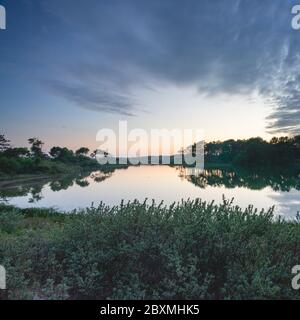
<point>33,189</point>
<point>278,179</point>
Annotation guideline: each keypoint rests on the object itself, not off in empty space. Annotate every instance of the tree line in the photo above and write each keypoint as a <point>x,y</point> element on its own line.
<point>22,160</point>
<point>249,152</point>
<point>254,151</point>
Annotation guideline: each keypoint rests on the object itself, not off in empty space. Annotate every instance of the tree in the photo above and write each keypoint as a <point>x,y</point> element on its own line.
<point>82,151</point>
<point>4,143</point>
<point>100,153</point>
<point>62,154</point>
<point>55,152</point>
<point>93,154</point>
<point>36,146</point>
<point>274,140</point>
<point>16,152</point>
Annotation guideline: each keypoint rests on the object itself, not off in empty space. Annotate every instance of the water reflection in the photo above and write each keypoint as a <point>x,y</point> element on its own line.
<point>184,173</point>
<point>255,179</point>
<point>289,202</point>
<point>34,189</point>
<point>262,188</point>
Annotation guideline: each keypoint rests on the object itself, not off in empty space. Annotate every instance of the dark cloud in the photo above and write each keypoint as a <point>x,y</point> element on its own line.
<point>95,99</point>
<point>230,46</point>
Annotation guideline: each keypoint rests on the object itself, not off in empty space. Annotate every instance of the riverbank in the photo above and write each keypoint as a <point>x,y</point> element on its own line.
<point>13,179</point>
<point>8,181</point>
<point>193,250</point>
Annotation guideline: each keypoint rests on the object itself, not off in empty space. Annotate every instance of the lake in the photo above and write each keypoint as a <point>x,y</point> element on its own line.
<point>262,189</point>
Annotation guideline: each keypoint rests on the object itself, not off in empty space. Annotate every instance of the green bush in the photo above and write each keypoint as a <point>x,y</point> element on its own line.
<point>191,250</point>
<point>9,166</point>
<point>10,220</point>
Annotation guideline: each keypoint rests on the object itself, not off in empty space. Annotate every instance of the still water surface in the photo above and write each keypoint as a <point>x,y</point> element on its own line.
<point>161,183</point>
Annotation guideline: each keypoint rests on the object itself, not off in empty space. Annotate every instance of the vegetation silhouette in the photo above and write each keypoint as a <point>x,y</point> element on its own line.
<point>33,160</point>
<point>255,151</point>
<point>281,179</point>
<point>33,189</point>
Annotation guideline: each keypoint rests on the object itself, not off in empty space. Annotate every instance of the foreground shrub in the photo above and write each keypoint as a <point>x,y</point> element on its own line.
<point>191,250</point>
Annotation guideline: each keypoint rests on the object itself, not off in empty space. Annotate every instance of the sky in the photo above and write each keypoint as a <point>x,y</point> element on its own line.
<point>69,68</point>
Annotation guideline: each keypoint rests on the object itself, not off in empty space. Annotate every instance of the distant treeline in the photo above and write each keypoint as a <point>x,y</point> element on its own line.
<point>255,151</point>
<point>34,160</point>
<point>250,152</point>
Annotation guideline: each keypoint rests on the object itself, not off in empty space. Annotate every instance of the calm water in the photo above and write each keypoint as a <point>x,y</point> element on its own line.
<point>261,189</point>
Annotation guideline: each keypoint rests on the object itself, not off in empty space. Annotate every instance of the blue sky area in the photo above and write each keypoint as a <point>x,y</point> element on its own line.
<point>71,67</point>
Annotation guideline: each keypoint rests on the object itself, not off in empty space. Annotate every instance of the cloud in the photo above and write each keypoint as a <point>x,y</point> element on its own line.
<point>228,46</point>
<point>287,203</point>
<point>95,99</point>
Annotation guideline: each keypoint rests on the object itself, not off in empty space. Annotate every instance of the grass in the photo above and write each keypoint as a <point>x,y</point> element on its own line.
<point>190,250</point>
